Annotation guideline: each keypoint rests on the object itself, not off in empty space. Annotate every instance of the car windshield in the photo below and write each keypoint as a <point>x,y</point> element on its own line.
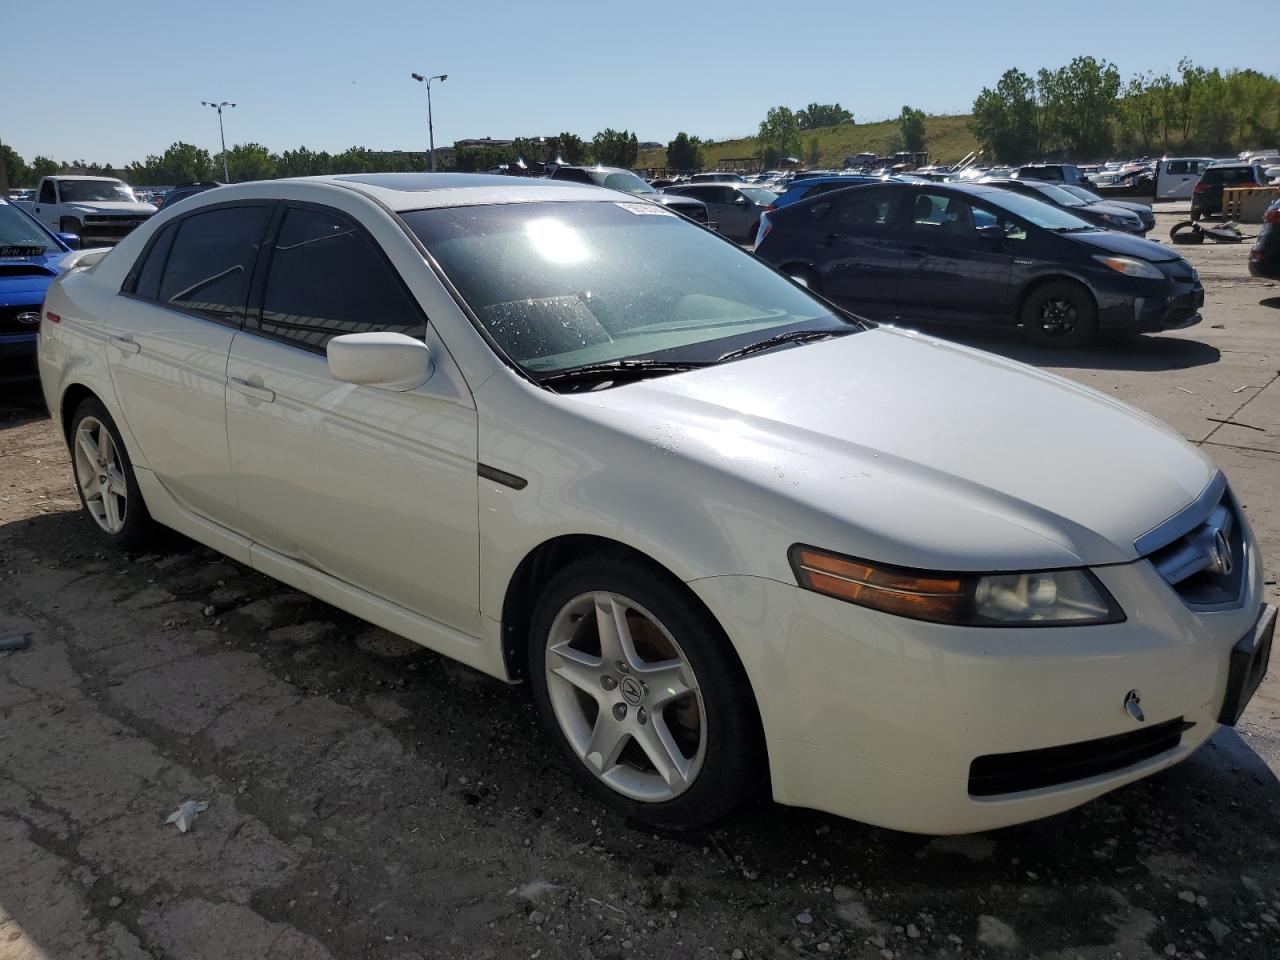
<point>88,191</point>
<point>20,232</point>
<point>1088,196</point>
<point>1056,194</point>
<point>623,180</point>
<point>758,194</point>
<point>566,284</point>
<point>1038,212</point>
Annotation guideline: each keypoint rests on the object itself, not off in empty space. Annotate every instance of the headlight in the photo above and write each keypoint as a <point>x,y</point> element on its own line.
<point>1047,598</point>
<point>1131,267</point>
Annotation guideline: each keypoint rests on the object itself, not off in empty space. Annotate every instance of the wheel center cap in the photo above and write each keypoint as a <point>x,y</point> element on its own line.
<point>632,691</point>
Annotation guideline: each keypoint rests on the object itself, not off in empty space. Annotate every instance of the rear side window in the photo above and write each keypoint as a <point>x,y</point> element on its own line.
<point>207,271</point>
<point>151,269</point>
<point>46,192</point>
<point>864,211</point>
<point>326,279</point>
<point>574,176</point>
<point>1177,166</point>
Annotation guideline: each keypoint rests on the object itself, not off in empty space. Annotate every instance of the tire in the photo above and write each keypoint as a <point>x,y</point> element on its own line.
<point>114,506</point>
<point>1195,215</point>
<point>69,225</point>
<point>1060,314</point>
<point>708,738</point>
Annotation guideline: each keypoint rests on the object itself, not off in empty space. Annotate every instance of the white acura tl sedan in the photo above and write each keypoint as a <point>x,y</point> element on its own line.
<point>733,538</point>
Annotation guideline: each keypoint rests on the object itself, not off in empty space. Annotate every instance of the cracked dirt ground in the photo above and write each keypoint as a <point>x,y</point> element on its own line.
<point>370,799</point>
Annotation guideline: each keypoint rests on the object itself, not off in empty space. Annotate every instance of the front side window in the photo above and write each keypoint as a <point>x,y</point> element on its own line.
<point>940,215</point>
<point>566,284</point>
<point>46,192</point>
<point>326,279</point>
<point>207,271</point>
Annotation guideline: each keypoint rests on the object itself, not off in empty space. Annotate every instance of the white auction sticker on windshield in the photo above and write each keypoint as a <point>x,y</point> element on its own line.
<point>646,209</point>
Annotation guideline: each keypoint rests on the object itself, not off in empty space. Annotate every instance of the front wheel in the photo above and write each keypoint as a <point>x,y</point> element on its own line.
<point>1060,314</point>
<point>105,479</point>
<point>643,694</point>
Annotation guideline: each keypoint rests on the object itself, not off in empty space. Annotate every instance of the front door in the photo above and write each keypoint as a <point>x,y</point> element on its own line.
<point>375,487</point>
<point>168,337</point>
<point>46,205</point>
<point>953,273</point>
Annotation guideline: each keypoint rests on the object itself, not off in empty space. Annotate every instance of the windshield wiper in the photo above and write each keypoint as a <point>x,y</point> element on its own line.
<point>622,370</point>
<point>795,336</point>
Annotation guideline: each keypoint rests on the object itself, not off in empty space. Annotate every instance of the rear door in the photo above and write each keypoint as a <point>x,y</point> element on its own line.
<point>169,335</point>
<point>1176,179</point>
<point>375,487</point>
<point>954,273</point>
<point>857,248</point>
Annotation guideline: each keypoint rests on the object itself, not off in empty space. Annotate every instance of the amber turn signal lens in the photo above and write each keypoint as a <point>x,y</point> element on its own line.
<point>939,598</point>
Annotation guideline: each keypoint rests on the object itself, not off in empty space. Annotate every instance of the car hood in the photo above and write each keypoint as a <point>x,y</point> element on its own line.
<point>1141,209</point>
<point>24,280</point>
<point>909,450</point>
<point>1110,241</point>
<point>110,206</point>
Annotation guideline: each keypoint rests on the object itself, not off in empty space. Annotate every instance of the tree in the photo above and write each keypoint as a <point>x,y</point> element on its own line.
<point>911,126</point>
<point>1139,111</point>
<point>815,152</point>
<point>43,167</point>
<point>250,161</point>
<point>16,172</point>
<point>1007,120</point>
<point>1080,102</point>
<point>615,148</point>
<point>685,153</point>
<point>569,148</point>
<point>823,115</point>
<point>779,135</point>
<point>303,162</point>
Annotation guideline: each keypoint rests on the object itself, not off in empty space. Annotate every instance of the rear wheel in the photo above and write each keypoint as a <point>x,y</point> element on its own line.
<point>751,234</point>
<point>1060,314</point>
<point>641,691</point>
<point>805,277</point>
<point>105,479</point>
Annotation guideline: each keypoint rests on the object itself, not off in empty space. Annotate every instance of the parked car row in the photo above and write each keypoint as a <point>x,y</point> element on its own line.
<point>979,253</point>
<point>733,537</point>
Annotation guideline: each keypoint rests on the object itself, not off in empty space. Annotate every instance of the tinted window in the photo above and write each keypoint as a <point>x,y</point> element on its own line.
<point>573,176</point>
<point>208,267</point>
<point>942,216</point>
<point>326,279</point>
<point>1177,166</point>
<point>864,211</point>
<point>149,272</point>
<point>46,192</point>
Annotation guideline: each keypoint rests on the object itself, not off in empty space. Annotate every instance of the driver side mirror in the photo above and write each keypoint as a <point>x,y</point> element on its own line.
<point>390,361</point>
<point>991,231</point>
<point>740,200</point>
<point>72,240</point>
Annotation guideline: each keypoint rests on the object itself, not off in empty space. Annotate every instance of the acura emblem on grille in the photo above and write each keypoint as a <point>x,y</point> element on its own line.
<point>1220,554</point>
<point>28,318</point>
<point>1133,706</point>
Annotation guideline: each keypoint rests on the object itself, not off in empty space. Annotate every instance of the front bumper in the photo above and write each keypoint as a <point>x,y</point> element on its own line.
<point>1151,306</point>
<point>880,719</point>
<point>19,346</point>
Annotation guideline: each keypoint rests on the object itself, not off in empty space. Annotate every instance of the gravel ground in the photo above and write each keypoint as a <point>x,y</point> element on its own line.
<point>367,798</point>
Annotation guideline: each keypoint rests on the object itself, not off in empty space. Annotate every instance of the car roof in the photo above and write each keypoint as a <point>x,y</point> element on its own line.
<point>599,168</point>
<point>79,176</point>
<point>1231,164</point>
<point>422,191</point>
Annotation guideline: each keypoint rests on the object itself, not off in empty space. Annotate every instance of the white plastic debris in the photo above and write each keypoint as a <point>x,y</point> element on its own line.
<point>185,816</point>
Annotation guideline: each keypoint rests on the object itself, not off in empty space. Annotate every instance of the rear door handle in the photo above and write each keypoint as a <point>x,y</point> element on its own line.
<point>251,390</point>
<point>126,344</point>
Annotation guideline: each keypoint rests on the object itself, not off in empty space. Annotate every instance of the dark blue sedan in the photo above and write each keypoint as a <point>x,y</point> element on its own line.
<point>978,254</point>
<point>29,256</point>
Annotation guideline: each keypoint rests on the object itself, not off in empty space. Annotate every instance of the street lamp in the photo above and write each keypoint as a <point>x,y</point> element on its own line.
<point>431,133</point>
<point>226,177</point>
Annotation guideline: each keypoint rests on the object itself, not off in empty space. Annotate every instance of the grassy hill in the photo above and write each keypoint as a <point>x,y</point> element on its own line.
<point>946,138</point>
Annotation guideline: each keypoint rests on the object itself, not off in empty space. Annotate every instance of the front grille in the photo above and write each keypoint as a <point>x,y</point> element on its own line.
<point>1002,773</point>
<point>1185,306</point>
<point>111,227</point>
<point>10,324</point>
<point>1205,564</point>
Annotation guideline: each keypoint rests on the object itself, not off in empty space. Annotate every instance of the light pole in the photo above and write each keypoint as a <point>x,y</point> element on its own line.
<point>218,106</point>
<point>431,133</point>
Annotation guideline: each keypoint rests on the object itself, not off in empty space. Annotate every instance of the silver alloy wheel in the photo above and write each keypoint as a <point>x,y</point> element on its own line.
<point>100,475</point>
<point>626,697</point>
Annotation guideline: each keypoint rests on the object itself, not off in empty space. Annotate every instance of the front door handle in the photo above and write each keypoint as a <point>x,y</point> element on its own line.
<point>251,390</point>
<point>126,344</point>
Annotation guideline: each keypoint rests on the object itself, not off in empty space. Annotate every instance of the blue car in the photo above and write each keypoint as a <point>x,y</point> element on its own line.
<point>29,257</point>
<point>812,186</point>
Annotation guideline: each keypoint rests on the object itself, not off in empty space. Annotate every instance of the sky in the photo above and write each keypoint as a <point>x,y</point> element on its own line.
<point>115,82</point>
